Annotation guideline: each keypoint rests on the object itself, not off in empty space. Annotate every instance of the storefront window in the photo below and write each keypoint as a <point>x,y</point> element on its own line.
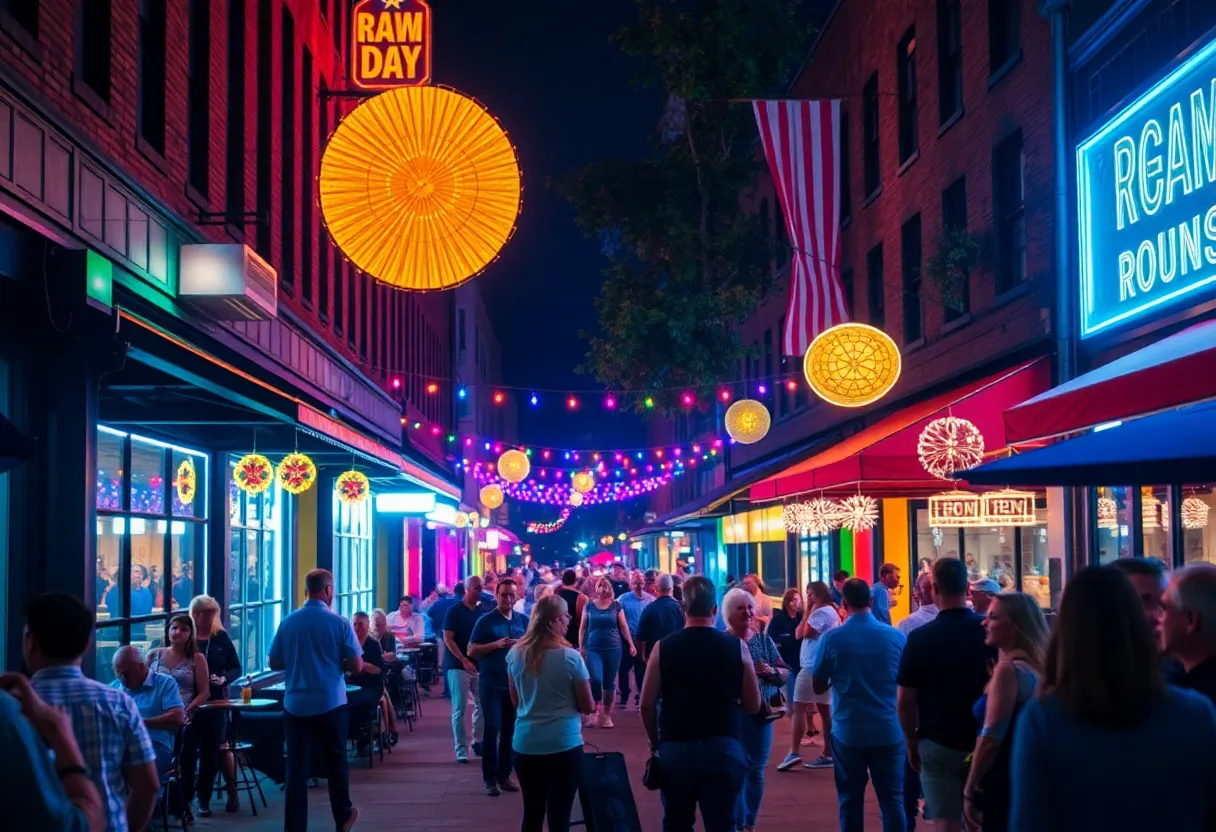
<point>1198,515</point>
<point>354,560</point>
<point>255,571</point>
<point>814,560</point>
<point>151,534</point>
<point>1155,523</point>
<point>1112,507</point>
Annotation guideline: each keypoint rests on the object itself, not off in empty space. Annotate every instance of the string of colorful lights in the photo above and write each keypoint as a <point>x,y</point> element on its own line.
<point>532,491</point>
<point>574,400</point>
<point>551,527</point>
<point>617,466</point>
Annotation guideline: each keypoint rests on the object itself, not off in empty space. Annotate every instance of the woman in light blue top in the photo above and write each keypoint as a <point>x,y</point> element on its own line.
<point>550,688</point>
<point>601,633</point>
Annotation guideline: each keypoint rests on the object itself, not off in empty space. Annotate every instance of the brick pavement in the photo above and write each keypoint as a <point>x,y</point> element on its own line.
<point>420,789</point>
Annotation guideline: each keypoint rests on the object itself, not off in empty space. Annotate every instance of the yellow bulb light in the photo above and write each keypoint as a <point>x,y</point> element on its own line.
<point>491,496</point>
<point>852,365</point>
<point>582,482</point>
<point>747,421</point>
<point>514,466</point>
<point>420,187</point>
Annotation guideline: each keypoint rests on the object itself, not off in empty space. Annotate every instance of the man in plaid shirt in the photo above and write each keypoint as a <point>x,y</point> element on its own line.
<point>117,751</point>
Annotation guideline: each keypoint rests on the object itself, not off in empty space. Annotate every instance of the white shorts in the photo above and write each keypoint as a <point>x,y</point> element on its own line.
<point>804,692</point>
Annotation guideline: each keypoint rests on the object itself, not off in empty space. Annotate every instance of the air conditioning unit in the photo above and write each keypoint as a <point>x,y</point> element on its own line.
<point>230,282</point>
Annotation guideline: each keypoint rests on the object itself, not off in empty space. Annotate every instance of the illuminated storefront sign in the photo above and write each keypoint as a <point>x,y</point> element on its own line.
<point>390,44</point>
<point>954,510</point>
<point>1008,508</point>
<point>1146,200</point>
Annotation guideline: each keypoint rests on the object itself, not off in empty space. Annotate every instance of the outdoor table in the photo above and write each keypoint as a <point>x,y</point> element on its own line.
<point>281,687</point>
<point>246,779</point>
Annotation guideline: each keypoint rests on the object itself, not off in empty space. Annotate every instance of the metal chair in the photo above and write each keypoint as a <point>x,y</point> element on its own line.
<point>171,787</point>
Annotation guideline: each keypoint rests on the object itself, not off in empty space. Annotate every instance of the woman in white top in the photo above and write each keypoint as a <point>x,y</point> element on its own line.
<point>819,616</point>
<point>550,687</point>
<point>764,604</point>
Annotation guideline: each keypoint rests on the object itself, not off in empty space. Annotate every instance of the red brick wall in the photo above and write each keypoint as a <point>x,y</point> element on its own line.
<point>50,67</point>
<point>861,39</point>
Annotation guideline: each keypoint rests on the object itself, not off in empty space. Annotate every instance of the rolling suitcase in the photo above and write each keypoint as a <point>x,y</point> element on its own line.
<point>606,796</point>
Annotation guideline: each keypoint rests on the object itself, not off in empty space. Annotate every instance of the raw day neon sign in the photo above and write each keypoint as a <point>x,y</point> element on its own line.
<point>1146,194</point>
<point>390,44</point>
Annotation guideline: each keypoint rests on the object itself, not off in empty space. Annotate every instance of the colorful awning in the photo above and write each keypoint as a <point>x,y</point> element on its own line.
<point>881,459</point>
<point>1173,372</point>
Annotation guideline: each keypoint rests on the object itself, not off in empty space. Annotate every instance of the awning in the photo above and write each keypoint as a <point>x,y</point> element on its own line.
<point>602,558</point>
<point>882,457</point>
<point>1175,371</point>
<point>15,446</point>
<point>1174,447</point>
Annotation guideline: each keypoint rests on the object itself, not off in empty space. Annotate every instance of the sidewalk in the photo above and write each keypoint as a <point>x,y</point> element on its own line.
<point>419,788</point>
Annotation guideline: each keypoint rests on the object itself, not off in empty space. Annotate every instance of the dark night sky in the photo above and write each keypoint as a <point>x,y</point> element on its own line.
<point>563,92</point>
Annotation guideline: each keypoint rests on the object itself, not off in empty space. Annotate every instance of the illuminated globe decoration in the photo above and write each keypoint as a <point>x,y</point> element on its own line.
<point>514,466</point>
<point>582,482</point>
<point>420,187</point>
<point>792,517</point>
<point>576,498</point>
<point>491,496</point>
<point>1194,513</point>
<point>949,445</point>
<point>253,473</point>
<point>852,365</point>
<point>538,490</point>
<point>859,513</point>
<point>352,487</point>
<point>747,421</point>
<point>296,473</point>
<point>821,515</point>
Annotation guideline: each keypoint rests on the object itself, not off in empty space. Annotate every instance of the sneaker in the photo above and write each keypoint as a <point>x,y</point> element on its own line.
<point>462,757</point>
<point>789,762</point>
<point>350,821</point>
<point>204,809</point>
<point>508,785</point>
<point>492,789</point>
<point>819,762</point>
<point>477,748</point>
<point>607,723</point>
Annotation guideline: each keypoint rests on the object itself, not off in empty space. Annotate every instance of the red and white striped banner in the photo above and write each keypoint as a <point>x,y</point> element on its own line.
<point>801,143</point>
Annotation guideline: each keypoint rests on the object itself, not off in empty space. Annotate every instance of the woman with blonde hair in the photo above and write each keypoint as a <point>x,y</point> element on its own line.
<point>224,667</point>
<point>549,687</point>
<point>764,604</point>
<point>602,632</point>
<point>1018,630</point>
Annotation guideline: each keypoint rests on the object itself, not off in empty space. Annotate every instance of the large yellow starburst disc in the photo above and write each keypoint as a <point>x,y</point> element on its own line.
<point>491,496</point>
<point>747,421</point>
<point>420,187</point>
<point>852,365</point>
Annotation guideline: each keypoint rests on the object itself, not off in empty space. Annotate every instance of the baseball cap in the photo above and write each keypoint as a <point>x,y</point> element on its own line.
<point>986,585</point>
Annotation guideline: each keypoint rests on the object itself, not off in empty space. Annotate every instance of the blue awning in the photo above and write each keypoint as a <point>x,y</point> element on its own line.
<point>1178,446</point>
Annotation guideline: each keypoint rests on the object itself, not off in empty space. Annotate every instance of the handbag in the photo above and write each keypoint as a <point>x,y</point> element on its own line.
<point>773,704</point>
<point>652,776</point>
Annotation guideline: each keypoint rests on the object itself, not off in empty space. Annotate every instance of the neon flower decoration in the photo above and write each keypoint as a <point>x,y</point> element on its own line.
<point>352,487</point>
<point>550,528</point>
<point>859,513</point>
<point>253,473</point>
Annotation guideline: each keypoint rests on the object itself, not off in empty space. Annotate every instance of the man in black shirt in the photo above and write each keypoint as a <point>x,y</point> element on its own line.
<point>943,671</point>
<point>619,580</point>
<point>662,617</point>
<point>1188,627</point>
<point>370,680</point>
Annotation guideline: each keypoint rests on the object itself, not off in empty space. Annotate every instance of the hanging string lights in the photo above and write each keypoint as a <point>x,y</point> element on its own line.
<point>550,528</point>
<point>562,494</point>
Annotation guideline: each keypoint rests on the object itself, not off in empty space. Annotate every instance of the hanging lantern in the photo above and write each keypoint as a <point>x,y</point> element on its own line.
<point>859,513</point>
<point>460,520</point>
<point>955,510</point>
<point>186,482</point>
<point>852,365</point>
<point>792,517</point>
<point>949,445</point>
<point>1150,510</point>
<point>1007,508</point>
<point>747,421</point>
<point>1108,513</point>
<point>491,496</point>
<point>1194,513</point>
<point>582,482</point>
<point>352,487</point>
<point>576,499</point>
<point>296,473</point>
<point>514,466</point>
<point>420,187</point>
<point>822,516</point>
<point>253,473</point>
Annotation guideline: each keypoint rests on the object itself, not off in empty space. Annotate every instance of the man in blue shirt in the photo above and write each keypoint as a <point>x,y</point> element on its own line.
<point>880,595</point>
<point>633,602</point>
<point>316,647</point>
<point>158,699</point>
<point>459,670</point>
<point>859,662</point>
<point>493,636</point>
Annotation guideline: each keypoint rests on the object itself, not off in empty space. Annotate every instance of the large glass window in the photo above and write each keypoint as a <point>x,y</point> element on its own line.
<point>815,557</point>
<point>151,535</point>
<point>354,558</point>
<point>1198,515</point>
<point>1112,509</point>
<point>255,571</point>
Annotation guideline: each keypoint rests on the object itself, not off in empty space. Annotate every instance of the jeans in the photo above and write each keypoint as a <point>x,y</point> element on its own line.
<point>707,773</point>
<point>854,766</point>
<point>789,687</point>
<point>499,732</point>
<point>629,664</point>
<point>602,665</point>
<point>757,736</point>
<point>328,730</point>
<point>549,783</point>
<point>201,747</point>
<point>462,685</point>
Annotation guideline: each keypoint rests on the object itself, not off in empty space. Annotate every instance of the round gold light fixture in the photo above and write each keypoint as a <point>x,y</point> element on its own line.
<point>491,496</point>
<point>514,466</point>
<point>420,187</point>
<point>747,421</point>
<point>576,499</point>
<point>582,482</point>
<point>852,365</point>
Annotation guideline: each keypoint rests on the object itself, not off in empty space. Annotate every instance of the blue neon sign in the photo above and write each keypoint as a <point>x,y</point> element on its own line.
<point>1146,202</point>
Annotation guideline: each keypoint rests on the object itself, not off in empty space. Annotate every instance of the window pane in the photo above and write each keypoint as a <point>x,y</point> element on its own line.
<point>185,540</point>
<point>272,565</point>
<point>1114,510</point>
<point>249,566</point>
<point>106,642</point>
<point>109,471</point>
<point>110,531</point>
<point>236,557</point>
<point>271,615</point>
<point>1155,523</point>
<point>235,500</point>
<point>988,553</point>
<point>1198,537</point>
<point>147,556</point>
<point>147,477</point>
<point>1036,563</point>
<point>932,544</point>
<point>253,509</point>
<point>189,474</point>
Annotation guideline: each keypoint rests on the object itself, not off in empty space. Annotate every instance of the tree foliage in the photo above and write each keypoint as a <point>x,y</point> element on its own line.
<point>687,257</point>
